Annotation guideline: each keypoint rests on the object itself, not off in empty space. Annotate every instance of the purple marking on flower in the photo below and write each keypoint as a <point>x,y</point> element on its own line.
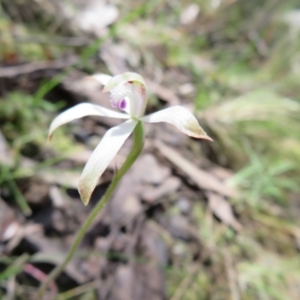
<point>114,104</point>
<point>122,104</point>
<point>117,96</point>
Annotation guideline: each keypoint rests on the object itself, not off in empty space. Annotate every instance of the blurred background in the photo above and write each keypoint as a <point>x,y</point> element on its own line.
<point>192,219</point>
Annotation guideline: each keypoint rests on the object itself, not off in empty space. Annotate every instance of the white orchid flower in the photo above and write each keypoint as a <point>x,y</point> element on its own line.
<point>128,93</point>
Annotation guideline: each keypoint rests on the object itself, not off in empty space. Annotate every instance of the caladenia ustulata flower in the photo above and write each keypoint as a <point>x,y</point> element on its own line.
<point>128,93</point>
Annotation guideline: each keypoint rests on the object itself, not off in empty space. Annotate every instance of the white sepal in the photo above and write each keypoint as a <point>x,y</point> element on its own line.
<point>106,150</point>
<point>83,110</point>
<point>181,118</point>
<point>124,78</point>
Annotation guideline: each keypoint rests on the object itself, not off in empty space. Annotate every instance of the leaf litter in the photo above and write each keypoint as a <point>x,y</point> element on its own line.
<point>153,222</point>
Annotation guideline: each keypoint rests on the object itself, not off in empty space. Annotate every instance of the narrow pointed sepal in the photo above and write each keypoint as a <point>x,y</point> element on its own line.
<point>181,118</point>
<point>123,78</point>
<point>82,110</point>
<point>106,150</point>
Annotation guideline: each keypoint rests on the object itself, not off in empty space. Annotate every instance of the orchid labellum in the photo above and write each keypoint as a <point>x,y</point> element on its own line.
<point>128,93</point>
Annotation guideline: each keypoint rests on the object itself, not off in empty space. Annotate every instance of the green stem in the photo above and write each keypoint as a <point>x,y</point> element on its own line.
<point>133,155</point>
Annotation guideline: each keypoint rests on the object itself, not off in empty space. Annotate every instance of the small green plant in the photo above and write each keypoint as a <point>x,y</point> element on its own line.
<point>129,94</point>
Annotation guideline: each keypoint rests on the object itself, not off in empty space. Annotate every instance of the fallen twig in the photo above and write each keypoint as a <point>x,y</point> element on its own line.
<point>10,72</point>
<point>202,178</point>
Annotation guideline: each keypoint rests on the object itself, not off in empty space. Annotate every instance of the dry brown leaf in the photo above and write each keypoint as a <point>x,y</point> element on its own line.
<point>65,178</point>
<point>170,185</point>
<point>96,16</point>
<point>221,208</point>
<point>202,178</point>
<point>189,14</point>
<point>148,170</point>
<point>51,251</point>
<point>163,92</point>
<point>8,222</point>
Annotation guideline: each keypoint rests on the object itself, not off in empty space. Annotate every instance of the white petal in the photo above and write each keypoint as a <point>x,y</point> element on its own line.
<point>101,78</point>
<point>82,110</point>
<point>102,156</point>
<point>181,118</point>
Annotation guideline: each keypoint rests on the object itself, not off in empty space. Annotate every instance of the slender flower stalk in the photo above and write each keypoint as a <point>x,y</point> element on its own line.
<point>128,93</point>
<point>137,148</point>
